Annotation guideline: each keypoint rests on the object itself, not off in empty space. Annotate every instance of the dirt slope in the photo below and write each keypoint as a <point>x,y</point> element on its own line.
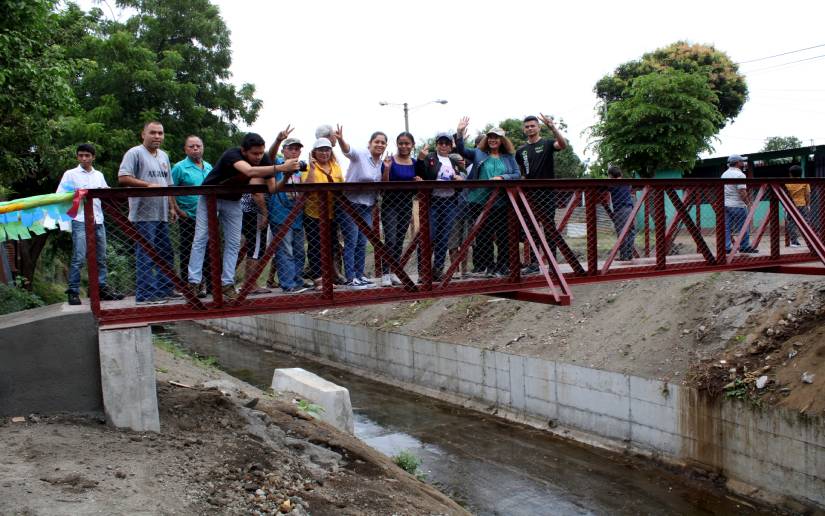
<point>213,456</point>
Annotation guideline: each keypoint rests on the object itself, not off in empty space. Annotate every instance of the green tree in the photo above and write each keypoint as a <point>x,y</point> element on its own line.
<point>34,87</point>
<point>775,143</point>
<point>664,121</point>
<point>568,164</point>
<point>169,61</point>
<point>721,73</point>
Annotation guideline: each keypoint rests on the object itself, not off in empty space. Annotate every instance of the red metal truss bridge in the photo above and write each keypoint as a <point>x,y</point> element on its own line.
<point>674,227</point>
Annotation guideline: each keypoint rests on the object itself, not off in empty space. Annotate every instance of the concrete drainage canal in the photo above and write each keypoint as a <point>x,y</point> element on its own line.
<point>488,465</point>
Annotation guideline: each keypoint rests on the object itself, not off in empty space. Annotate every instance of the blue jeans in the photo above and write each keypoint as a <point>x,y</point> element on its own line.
<point>289,257</point>
<point>151,282</point>
<point>79,254</point>
<point>443,212</point>
<point>230,217</point>
<point>355,242</point>
<point>734,220</point>
<point>793,229</point>
<point>620,216</point>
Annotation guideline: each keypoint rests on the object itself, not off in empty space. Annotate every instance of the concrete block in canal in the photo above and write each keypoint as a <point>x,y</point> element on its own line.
<point>334,399</point>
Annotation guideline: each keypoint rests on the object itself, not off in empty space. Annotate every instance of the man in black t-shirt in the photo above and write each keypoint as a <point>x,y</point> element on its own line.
<point>247,164</point>
<point>536,161</point>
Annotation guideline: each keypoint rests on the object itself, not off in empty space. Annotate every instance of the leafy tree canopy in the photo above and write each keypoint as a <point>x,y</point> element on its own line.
<point>663,121</point>
<point>34,85</point>
<point>775,143</point>
<point>721,73</point>
<point>169,61</point>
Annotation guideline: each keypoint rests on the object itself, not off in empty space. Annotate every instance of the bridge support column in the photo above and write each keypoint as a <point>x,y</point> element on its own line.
<point>127,374</point>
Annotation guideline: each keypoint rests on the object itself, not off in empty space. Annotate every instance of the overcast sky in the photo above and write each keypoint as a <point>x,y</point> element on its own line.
<point>319,61</point>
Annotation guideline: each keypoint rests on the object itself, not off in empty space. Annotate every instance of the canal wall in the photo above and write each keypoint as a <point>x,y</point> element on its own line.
<point>770,454</point>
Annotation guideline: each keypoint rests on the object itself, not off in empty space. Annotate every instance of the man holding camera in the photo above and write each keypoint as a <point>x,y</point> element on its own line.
<point>289,255</point>
<point>244,165</point>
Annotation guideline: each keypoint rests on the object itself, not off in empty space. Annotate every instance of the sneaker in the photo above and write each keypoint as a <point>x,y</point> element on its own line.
<point>201,291</point>
<point>749,250</point>
<point>795,244</point>
<point>294,290</point>
<point>533,268</point>
<point>107,294</point>
<point>355,284</point>
<point>229,292</point>
<point>173,295</point>
<point>74,298</point>
<point>395,280</point>
<point>365,282</point>
<point>261,290</point>
<point>386,280</point>
<point>144,302</point>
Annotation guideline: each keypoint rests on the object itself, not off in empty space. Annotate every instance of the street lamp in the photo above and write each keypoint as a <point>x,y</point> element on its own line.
<point>407,109</point>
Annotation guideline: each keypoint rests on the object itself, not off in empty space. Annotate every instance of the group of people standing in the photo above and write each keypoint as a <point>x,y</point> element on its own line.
<point>298,255</point>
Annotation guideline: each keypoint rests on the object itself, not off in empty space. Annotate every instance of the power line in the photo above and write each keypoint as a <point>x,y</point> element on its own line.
<point>785,64</point>
<point>786,89</point>
<point>779,55</point>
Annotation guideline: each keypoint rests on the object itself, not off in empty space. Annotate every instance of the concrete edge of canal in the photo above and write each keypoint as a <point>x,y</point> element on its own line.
<point>769,454</point>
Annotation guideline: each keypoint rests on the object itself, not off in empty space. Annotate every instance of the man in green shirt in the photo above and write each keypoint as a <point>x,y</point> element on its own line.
<point>190,171</point>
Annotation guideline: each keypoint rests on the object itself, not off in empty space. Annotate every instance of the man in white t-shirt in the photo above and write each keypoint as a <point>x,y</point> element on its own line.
<point>737,204</point>
<point>84,177</point>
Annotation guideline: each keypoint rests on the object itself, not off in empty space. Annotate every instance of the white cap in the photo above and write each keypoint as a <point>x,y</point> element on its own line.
<point>321,142</point>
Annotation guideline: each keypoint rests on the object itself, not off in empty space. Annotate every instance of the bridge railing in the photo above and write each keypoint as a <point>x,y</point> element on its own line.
<point>322,245</point>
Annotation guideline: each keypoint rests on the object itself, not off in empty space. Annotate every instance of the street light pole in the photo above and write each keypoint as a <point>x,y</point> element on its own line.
<point>407,109</point>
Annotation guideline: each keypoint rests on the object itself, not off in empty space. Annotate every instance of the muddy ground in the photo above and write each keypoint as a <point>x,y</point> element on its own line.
<point>228,449</point>
<point>671,328</point>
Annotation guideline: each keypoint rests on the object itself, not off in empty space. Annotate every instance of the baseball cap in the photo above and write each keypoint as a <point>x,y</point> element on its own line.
<point>321,142</point>
<point>442,135</point>
<point>734,158</point>
<point>292,141</point>
<point>498,131</point>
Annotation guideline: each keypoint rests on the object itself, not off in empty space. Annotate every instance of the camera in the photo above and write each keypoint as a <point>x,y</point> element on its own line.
<point>302,166</point>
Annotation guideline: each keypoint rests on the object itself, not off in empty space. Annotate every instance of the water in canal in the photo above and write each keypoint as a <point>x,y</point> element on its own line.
<point>487,465</point>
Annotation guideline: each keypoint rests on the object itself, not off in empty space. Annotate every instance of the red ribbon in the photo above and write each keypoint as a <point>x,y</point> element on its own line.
<point>79,195</point>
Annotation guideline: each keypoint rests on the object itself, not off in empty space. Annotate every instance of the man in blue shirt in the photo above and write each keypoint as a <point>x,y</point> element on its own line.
<point>190,171</point>
<point>621,197</point>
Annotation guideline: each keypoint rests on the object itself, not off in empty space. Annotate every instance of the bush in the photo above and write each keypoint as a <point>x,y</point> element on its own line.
<point>407,461</point>
<point>14,299</point>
